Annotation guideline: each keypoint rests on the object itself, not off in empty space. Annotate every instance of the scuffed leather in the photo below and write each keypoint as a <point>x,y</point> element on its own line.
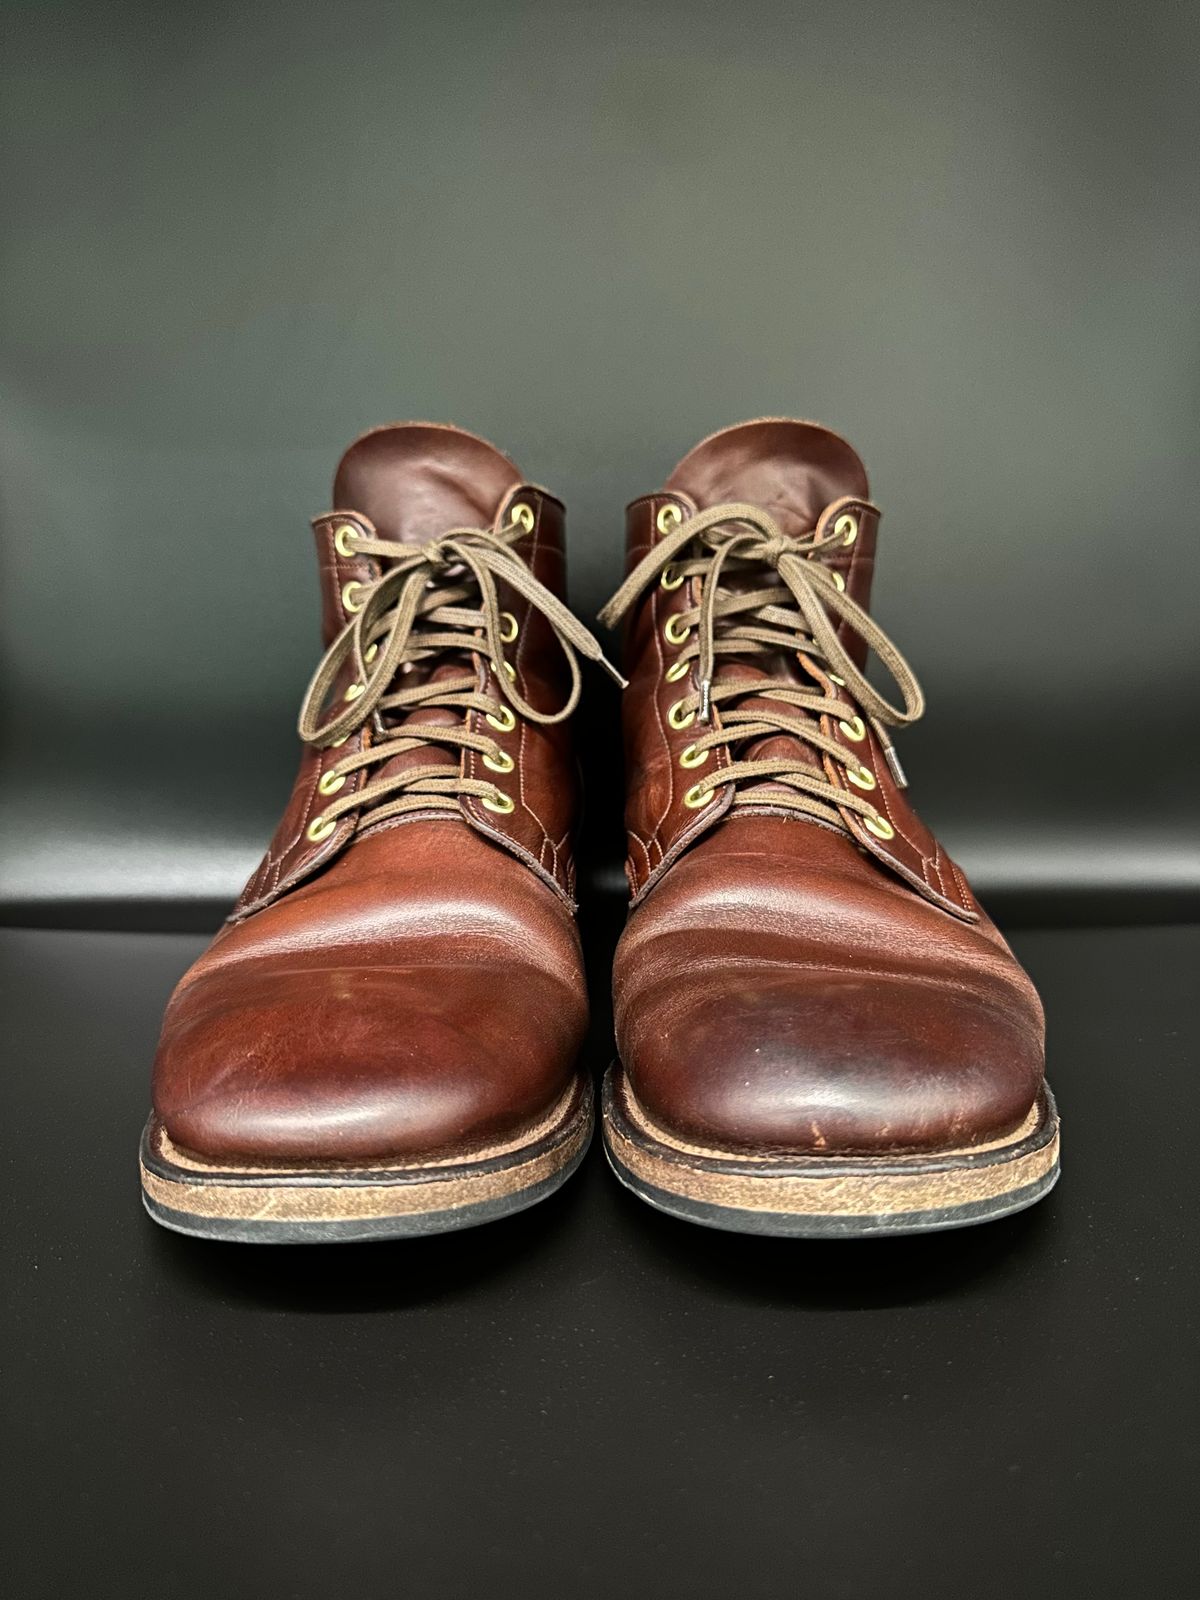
<point>415,988</point>
<point>779,985</point>
<point>538,830</point>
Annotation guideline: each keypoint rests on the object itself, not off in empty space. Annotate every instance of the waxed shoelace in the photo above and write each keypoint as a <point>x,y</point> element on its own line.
<point>796,610</point>
<point>432,602</point>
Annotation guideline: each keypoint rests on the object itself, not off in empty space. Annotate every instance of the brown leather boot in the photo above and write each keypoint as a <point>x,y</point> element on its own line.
<point>820,1031</point>
<point>382,1039</point>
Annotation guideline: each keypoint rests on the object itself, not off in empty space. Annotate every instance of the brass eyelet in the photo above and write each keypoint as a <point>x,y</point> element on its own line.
<point>522,515</point>
<point>348,600</point>
<point>331,782</point>
<point>370,653</point>
<point>697,797</point>
<point>500,762</point>
<point>839,583</point>
<point>503,719</point>
<point>499,802</point>
<point>678,717</point>
<point>846,528</point>
<point>671,578</point>
<point>509,627</point>
<point>511,670</point>
<point>855,729</point>
<point>672,627</point>
<point>320,828</point>
<point>677,670</point>
<point>881,828</point>
<point>342,534</point>
<point>861,777</point>
<point>669,516</point>
<point>691,757</point>
<point>336,744</point>
<point>353,692</point>
<point>833,678</point>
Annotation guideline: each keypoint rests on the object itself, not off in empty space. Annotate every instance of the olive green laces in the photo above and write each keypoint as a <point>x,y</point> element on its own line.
<point>784,601</point>
<point>432,601</point>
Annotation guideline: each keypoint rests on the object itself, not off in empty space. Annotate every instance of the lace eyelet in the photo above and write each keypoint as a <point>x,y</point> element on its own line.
<point>671,578</point>
<point>500,762</point>
<point>353,692</point>
<point>509,627</point>
<point>672,630</point>
<point>369,654</point>
<point>669,516</point>
<point>511,670</point>
<point>879,827</point>
<point>861,777</point>
<point>846,528</point>
<point>677,670</point>
<point>691,757</point>
<point>697,797</point>
<point>833,678</point>
<point>348,592</point>
<point>338,743</point>
<point>522,515</point>
<point>678,717</point>
<point>503,719</point>
<point>499,802</point>
<point>331,782</point>
<point>342,535</point>
<point>855,729</point>
<point>320,828</point>
<point>839,583</point>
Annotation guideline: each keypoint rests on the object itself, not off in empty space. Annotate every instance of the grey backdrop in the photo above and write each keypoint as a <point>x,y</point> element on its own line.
<point>233,236</point>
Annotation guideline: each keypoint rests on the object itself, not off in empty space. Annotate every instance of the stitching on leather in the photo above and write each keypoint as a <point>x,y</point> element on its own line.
<point>936,864</point>
<point>294,843</point>
<point>519,665</point>
<point>881,790</point>
<point>633,834</point>
<point>963,891</point>
<point>660,667</point>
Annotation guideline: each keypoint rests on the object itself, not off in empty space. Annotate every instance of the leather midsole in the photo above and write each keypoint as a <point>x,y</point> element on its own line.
<point>829,1185</point>
<point>327,1193</point>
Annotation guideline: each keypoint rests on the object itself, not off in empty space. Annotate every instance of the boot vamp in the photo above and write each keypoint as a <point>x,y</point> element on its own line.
<point>424,996</point>
<point>778,990</point>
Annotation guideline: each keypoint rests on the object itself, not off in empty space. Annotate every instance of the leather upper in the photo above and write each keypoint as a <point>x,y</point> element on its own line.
<point>416,987</point>
<point>782,983</point>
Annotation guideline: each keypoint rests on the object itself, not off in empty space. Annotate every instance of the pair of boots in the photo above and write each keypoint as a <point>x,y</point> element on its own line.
<point>819,1030</point>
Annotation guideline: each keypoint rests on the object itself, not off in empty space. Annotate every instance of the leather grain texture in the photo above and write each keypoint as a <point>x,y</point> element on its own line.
<point>782,984</point>
<point>412,987</point>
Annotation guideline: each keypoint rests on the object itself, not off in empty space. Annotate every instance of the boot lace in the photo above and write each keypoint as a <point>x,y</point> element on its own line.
<point>782,600</point>
<point>433,604</point>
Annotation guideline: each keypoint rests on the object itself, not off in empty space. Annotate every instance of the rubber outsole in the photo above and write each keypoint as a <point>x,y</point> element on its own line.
<point>336,1202</point>
<point>815,1197</point>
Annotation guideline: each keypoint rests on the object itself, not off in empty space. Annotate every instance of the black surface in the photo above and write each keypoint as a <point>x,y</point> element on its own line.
<point>234,236</point>
<point>968,237</point>
<point>592,1399</point>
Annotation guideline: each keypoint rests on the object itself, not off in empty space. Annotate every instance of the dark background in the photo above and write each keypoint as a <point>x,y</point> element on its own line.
<point>231,237</point>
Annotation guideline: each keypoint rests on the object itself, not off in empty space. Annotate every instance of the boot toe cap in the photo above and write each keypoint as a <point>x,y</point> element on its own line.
<point>359,1063</point>
<point>832,1063</point>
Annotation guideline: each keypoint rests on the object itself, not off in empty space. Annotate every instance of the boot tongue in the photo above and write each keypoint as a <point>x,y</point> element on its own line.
<point>416,480</point>
<point>791,469</point>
